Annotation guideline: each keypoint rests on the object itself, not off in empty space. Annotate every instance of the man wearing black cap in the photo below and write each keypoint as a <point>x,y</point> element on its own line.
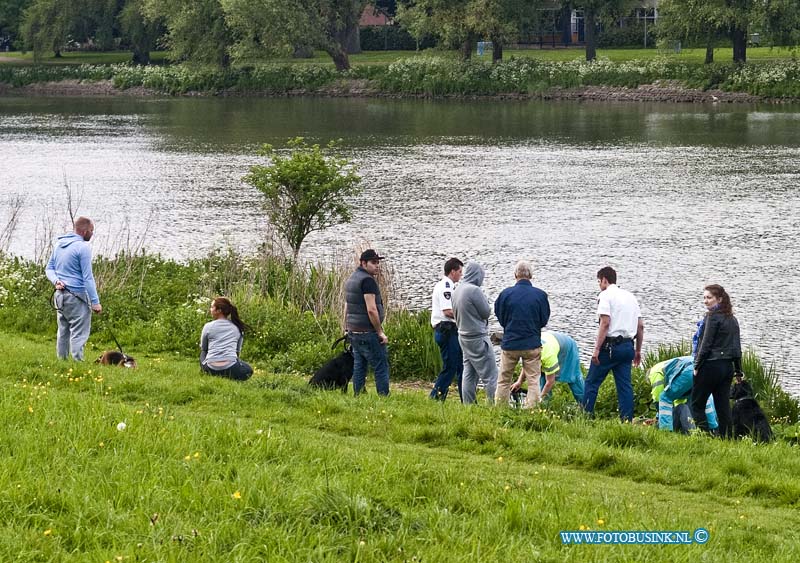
<point>363,316</point>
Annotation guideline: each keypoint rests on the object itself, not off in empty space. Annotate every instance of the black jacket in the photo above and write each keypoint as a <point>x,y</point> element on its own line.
<point>719,341</point>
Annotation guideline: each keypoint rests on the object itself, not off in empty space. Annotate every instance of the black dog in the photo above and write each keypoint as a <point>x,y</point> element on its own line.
<point>748,418</point>
<point>337,373</point>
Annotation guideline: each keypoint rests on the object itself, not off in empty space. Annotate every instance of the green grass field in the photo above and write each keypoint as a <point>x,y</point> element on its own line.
<point>377,57</point>
<point>76,58</point>
<point>571,54</point>
<point>211,470</point>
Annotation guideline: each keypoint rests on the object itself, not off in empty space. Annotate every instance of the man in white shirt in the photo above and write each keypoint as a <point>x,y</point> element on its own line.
<point>621,324</point>
<point>445,332</point>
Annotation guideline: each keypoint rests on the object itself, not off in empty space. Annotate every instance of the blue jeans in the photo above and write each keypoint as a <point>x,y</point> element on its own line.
<point>616,358</point>
<point>681,419</point>
<point>369,352</point>
<point>452,362</point>
<point>240,371</point>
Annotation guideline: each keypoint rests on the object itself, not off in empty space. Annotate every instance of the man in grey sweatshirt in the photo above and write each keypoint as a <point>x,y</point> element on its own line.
<point>70,271</point>
<point>471,311</point>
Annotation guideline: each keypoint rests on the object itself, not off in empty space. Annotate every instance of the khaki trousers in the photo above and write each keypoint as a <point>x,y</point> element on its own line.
<point>531,370</point>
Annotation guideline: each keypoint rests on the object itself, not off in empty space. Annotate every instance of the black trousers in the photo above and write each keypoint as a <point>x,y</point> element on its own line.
<point>713,378</point>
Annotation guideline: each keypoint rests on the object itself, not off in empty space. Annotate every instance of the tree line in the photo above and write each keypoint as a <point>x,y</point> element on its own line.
<point>222,32</point>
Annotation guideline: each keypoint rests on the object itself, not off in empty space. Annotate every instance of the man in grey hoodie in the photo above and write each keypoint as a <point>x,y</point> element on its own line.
<point>70,271</point>
<point>471,311</point>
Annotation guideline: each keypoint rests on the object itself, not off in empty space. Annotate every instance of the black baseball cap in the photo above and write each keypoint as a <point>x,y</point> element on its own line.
<point>370,254</point>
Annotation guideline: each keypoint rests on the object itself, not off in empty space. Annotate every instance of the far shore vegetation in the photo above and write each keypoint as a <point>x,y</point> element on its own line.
<point>413,48</point>
<point>429,75</point>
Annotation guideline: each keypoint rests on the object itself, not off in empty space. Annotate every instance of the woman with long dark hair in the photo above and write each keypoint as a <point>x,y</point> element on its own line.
<point>717,359</point>
<point>221,342</point>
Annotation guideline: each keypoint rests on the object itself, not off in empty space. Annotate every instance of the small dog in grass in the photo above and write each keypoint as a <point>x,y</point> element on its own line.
<point>337,372</point>
<point>116,358</point>
<point>748,418</point>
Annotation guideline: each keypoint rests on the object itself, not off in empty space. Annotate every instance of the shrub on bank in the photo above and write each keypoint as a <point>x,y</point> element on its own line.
<point>24,75</point>
<point>180,79</point>
<point>174,79</point>
<point>434,75</point>
<point>774,80</point>
<point>285,77</point>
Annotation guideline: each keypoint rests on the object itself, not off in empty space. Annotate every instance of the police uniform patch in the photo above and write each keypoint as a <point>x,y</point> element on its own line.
<point>447,295</point>
<point>447,284</point>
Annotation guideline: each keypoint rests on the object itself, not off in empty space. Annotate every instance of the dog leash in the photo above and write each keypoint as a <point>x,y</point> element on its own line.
<point>346,340</point>
<point>82,300</point>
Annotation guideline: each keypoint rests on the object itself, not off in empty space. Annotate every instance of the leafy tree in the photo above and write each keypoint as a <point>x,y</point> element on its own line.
<point>739,14</point>
<point>264,27</point>
<point>781,21</point>
<point>11,18</point>
<point>696,19</point>
<point>269,26</point>
<point>46,26</point>
<point>97,21</point>
<point>336,24</point>
<point>139,31</point>
<point>306,191</point>
<point>197,30</point>
<point>498,21</point>
<point>414,17</point>
<point>463,22</point>
<point>693,20</point>
<point>596,10</point>
<point>49,24</point>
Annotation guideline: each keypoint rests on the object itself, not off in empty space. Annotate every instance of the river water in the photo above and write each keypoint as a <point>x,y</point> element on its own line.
<point>673,196</point>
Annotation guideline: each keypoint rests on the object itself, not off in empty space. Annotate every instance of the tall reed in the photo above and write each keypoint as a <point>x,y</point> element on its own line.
<point>8,224</point>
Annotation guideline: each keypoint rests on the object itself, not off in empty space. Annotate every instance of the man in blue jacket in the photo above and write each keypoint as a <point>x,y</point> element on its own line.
<point>70,271</point>
<point>522,310</point>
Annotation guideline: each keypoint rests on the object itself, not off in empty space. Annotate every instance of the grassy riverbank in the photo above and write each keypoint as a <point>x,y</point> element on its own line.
<point>211,470</point>
<point>687,55</point>
<point>436,75</point>
<point>157,307</point>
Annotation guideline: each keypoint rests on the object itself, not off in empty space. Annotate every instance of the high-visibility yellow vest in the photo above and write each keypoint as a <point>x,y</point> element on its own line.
<point>658,381</point>
<point>550,350</point>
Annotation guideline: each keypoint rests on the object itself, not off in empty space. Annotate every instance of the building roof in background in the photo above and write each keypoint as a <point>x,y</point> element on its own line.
<point>372,15</point>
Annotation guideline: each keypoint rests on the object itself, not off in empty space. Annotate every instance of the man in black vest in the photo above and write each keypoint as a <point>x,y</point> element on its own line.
<point>363,316</point>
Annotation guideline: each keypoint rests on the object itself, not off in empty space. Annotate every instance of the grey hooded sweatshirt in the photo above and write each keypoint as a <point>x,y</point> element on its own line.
<point>470,307</point>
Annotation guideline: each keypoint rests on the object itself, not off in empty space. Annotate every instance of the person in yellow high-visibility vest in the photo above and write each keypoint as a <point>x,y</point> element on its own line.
<point>560,362</point>
<point>671,386</point>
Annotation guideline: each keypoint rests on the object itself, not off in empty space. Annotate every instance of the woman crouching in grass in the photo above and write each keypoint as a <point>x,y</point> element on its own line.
<point>221,342</point>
